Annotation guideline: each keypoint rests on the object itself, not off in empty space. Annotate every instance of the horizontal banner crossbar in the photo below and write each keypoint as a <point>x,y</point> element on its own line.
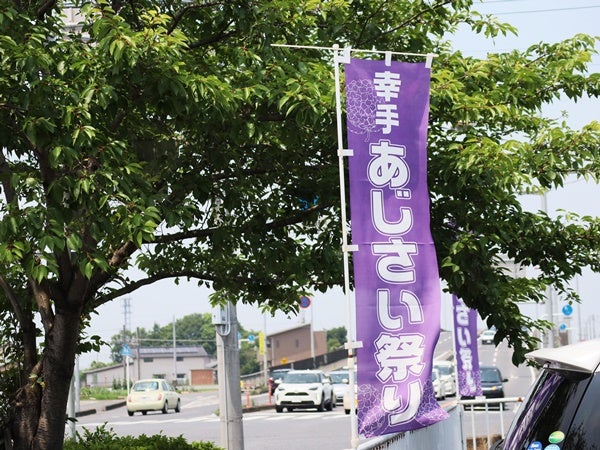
<point>349,49</point>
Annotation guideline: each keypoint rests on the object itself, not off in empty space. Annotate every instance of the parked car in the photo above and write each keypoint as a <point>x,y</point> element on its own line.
<point>339,382</point>
<point>487,337</point>
<point>304,389</point>
<point>153,395</point>
<point>560,410</point>
<point>439,385</point>
<point>448,374</point>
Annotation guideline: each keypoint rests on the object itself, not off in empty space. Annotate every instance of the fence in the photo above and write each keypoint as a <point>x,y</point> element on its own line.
<point>476,440</point>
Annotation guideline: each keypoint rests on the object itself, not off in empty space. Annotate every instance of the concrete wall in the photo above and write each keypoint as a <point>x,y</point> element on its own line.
<point>444,435</point>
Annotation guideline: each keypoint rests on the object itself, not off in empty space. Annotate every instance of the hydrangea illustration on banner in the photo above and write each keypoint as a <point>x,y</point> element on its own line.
<point>361,107</point>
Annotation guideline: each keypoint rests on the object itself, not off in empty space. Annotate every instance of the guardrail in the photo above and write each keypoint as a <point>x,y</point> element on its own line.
<point>486,405</point>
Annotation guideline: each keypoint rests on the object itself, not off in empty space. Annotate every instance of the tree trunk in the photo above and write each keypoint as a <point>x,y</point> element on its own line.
<point>39,416</point>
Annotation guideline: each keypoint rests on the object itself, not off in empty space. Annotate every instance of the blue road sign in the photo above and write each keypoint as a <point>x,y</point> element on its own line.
<point>304,301</point>
<point>126,351</point>
<point>567,310</point>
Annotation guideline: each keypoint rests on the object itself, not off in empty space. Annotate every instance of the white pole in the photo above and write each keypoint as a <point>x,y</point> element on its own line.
<point>549,306</point>
<point>127,378</point>
<point>174,354</point>
<point>312,336</point>
<point>349,322</point>
<point>264,355</point>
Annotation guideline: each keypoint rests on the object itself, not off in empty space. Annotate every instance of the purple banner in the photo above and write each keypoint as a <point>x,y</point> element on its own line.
<point>396,280</point>
<point>465,342</point>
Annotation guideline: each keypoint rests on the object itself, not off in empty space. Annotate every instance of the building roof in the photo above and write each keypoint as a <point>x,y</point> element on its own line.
<point>287,330</point>
<point>167,352</point>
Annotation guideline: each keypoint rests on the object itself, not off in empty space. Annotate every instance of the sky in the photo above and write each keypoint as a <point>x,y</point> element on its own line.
<point>537,21</point>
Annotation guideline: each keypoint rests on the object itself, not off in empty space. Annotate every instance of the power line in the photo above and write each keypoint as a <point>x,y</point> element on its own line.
<point>546,10</point>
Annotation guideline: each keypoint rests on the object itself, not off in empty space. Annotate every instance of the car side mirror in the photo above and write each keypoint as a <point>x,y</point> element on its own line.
<point>345,381</point>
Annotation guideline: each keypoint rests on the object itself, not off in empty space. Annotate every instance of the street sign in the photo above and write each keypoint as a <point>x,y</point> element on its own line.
<point>567,310</point>
<point>126,351</point>
<point>251,338</point>
<point>304,301</point>
<point>562,327</point>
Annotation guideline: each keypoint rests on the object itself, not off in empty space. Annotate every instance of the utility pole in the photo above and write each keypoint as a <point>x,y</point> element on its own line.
<point>174,354</point>
<point>549,306</point>
<point>228,367</point>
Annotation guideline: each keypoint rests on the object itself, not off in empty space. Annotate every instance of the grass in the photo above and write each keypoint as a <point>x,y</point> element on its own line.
<point>96,393</point>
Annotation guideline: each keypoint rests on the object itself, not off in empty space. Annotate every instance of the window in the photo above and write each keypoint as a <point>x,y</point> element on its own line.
<point>549,409</point>
<point>179,358</point>
<point>148,360</point>
<point>584,433</point>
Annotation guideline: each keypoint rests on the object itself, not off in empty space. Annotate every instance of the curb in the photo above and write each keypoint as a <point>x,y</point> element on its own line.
<point>88,412</point>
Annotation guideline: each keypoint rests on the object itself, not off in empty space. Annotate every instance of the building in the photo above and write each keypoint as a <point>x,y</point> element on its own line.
<point>295,344</point>
<point>184,366</point>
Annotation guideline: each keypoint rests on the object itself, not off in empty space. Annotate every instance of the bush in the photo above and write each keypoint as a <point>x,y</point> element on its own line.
<point>105,439</point>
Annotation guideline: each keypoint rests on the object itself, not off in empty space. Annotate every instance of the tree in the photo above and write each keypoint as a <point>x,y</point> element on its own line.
<point>190,330</point>
<point>172,137</point>
<point>336,337</point>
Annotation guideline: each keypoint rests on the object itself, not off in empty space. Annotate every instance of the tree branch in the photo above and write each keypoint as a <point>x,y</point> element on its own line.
<point>133,286</point>
<point>409,20</point>
<point>269,226</point>
<point>14,302</point>
<point>45,8</point>
<point>179,15</point>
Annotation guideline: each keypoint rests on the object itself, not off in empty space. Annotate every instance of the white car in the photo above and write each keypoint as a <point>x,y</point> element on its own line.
<point>439,385</point>
<point>339,381</point>
<point>153,395</point>
<point>447,373</point>
<point>304,389</point>
<point>487,337</point>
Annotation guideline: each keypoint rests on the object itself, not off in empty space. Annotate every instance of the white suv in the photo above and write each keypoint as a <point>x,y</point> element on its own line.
<point>304,389</point>
<point>561,410</point>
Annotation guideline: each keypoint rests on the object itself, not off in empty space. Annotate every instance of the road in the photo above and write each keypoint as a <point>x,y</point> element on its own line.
<point>299,430</point>
<point>263,430</point>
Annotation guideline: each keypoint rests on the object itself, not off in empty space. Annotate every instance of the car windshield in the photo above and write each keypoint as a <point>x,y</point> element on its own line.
<point>296,378</point>
<point>145,386</point>
<point>278,374</point>
<point>444,370</point>
<point>562,406</point>
<point>339,378</point>
<point>490,376</point>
